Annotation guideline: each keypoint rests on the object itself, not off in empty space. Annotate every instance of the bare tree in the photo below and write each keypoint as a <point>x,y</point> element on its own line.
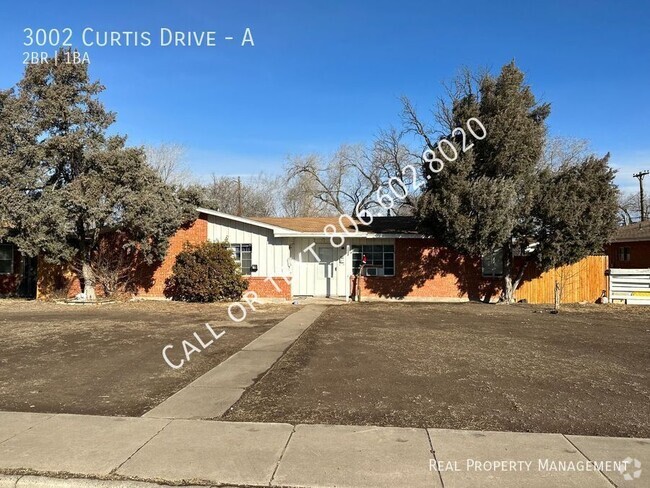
<point>566,277</point>
<point>560,151</point>
<point>113,269</point>
<point>341,182</point>
<point>414,124</point>
<point>255,196</point>
<point>465,85</point>
<point>398,168</point>
<point>629,205</point>
<point>169,161</point>
<point>354,177</point>
<point>298,199</point>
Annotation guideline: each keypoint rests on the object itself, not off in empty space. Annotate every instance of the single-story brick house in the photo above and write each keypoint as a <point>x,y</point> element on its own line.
<point>630,246</point>
<point>399,262</point>
<point>293,257</point>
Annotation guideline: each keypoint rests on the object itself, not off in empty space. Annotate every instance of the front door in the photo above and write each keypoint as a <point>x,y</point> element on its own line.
<point>326,273</point>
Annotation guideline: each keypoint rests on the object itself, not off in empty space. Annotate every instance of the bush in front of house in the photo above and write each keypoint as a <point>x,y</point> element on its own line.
<point>206,272</point>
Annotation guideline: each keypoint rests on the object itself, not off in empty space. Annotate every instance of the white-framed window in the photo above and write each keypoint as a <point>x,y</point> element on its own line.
<point>492,264</point>
<point>6,259</point>
<point>624,254</point>
<point>380,257</point>
<point>244,256</point>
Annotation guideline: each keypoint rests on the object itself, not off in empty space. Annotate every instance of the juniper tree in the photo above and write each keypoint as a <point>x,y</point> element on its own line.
<point>497,196</point>
<point>66,183</point>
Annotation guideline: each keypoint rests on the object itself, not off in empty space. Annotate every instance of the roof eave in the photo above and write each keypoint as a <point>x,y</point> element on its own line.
<point>367,235</point>
<point>276,229</point>
<point>629,239</point>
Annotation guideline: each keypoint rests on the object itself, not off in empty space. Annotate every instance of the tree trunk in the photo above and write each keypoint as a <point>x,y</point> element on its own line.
<point>89,281</point>
<point>509,285</point>
<point>508,293</point>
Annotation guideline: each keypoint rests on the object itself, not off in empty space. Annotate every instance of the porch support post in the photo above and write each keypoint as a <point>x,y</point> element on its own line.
<point>345,270</point>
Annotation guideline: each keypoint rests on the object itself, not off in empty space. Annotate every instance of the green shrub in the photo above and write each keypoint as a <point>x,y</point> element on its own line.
<point>206,272</point>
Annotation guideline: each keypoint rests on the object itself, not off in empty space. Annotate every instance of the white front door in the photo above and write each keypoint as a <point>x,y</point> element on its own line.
<point>326,272</point>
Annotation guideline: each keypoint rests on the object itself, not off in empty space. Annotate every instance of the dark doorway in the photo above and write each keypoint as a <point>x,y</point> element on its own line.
<point>27,288</point>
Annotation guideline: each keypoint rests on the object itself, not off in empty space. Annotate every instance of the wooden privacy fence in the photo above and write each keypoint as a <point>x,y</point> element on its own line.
<point>583,281</point>
<point>631,286</point>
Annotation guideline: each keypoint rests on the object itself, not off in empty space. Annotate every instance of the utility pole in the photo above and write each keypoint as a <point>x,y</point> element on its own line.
<point>640,176</point>
<point>239,209</point>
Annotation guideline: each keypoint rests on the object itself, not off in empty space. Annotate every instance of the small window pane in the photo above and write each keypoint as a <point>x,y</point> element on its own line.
<point>6,258</point>
<point>381,259</point>
<point>624,254</point>
<point>243,255</point>
<point>492,264</point>
<point>6,252</point>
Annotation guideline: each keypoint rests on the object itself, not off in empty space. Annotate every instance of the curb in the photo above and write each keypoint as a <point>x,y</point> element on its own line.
<point>49,482</point>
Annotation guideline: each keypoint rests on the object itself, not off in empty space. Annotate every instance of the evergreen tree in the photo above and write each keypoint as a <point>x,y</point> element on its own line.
<point>497,197</point>
<point>66,183</point>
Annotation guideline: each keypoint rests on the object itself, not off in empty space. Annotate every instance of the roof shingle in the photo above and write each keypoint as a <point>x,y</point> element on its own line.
<point>639,231</point>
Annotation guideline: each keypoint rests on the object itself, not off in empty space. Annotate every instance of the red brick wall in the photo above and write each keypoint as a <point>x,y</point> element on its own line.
<point>265,289</point>
<point>196,234</point>
<point>639,255</point>
<point>153,278</point>
<point>55,280</point>
<point>424,270</point>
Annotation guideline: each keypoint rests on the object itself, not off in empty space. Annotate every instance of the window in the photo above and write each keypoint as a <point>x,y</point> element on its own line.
<point>624,254</point>
<point>381,257</point>
<point>243,255</point>
<point>492,263</point>
<point>6,259</point>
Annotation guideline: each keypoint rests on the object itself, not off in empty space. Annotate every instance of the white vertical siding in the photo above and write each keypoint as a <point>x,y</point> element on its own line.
<point>286,256</point>
<point>270,254</point>
<point>305,266</point>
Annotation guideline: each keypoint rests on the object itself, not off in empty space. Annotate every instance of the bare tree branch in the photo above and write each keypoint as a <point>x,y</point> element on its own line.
<point>168,160</point>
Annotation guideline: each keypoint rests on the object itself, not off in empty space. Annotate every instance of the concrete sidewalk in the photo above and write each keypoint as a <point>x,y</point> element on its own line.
<point>212,394</point>
<point>199,452</point>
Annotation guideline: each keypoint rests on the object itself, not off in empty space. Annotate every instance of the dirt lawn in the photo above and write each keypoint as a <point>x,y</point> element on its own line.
<point>107,360</point>
<point>464,366</point>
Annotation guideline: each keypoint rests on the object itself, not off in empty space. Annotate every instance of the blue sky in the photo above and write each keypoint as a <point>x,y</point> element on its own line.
<point>323,73</point>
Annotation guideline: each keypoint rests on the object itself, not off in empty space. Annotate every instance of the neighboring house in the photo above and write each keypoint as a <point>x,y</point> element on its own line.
<point>294,257</point>
<point>630,246</point>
